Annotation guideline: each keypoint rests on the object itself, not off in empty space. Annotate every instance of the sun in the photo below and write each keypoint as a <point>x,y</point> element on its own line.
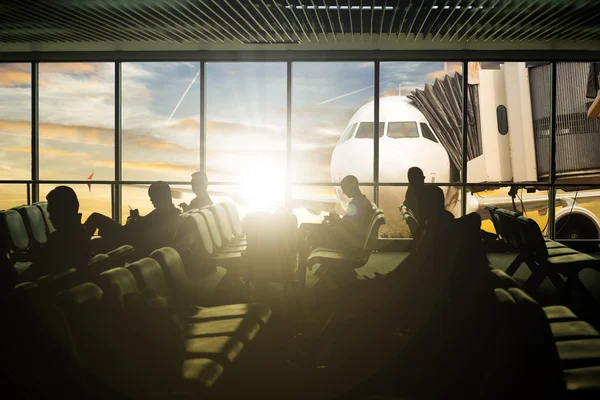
<point>264,184</point>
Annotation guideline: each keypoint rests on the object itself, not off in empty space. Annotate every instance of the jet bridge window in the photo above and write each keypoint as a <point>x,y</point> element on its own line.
<point>427,132</point>
<point>397,130</point>
<point>365,130</point>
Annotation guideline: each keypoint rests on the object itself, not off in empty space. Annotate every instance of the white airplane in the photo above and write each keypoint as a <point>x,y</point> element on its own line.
<point>407,140</point>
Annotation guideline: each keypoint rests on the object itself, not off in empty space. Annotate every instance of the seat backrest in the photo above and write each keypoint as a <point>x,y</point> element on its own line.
<point>234,218</point>
<point>540,358</point>
<point>532,237</point>
<point>509,230</point>
<point>116,283</point>
<point>222,222</point>
<point>43,206</point>
<point>14,233</point>
<point>149,275</point>
<point>213,229</point>
<point>35,224</point>
<point>183,290</point>
<point>372,235</point>
<point>193,236</point>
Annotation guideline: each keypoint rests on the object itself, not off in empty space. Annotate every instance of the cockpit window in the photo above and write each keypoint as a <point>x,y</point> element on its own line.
<point>365,130</point>
<point>427,132</point>
<point>397,130</point>
<point>348,133</point>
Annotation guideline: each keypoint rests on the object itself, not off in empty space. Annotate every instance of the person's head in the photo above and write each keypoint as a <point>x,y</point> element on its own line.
<point>416,178</point>
<point>160,194</point>
<point>63,206</point>
<point>199,182</point>
<point>350,186</point>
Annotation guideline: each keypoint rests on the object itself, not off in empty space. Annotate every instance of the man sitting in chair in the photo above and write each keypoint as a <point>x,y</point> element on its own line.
<point>346,232</point>
<point>199,187</point>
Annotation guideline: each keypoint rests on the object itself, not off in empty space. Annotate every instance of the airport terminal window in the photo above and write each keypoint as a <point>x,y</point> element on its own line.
<point>365,130</point>
<point>76,105</point>
<point>326,96</point>
<point>427,132</point>
<point>12,195</point>
<point>15,122</point>
<point>246,123</point>
<point>407,91</point>
<point>94,199</point>
<point>398,130</point>
<point>161,121</point>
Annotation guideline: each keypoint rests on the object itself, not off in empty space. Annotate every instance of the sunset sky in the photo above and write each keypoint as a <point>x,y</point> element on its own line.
<point>246,120</point>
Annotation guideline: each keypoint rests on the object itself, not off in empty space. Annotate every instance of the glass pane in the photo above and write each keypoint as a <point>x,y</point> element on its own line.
<point>15,121</point>
<point>327,98</point>
<point>246,139</point>
<point>76,120</point>
<point>311,204</point>
<point>161,121</point>
<point>403,130</point>
<point>12,196</point>
<point>533,205</point>
<point>391,197</point>
<point>94,199</point>
<point>427,94</point>
<point>577,213</point>
<point>136,197</point>
<point>577,134</point>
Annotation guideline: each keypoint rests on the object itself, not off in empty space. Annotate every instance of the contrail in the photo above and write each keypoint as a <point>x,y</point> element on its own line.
<point>351,93</point>
<point>184,93</point>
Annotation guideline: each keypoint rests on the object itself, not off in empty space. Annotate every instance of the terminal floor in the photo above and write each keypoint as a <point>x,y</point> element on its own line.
<point>367,353</point>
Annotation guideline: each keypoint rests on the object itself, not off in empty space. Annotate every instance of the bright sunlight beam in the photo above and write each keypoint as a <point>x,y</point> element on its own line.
<point>264,184</point>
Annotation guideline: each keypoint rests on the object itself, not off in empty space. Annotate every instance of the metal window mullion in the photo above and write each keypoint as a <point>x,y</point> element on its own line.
<point>117,193</point>
<point>203,116</point>
<point>465,130</point>
<point>376,133</point>
<point>35,131</point>
<point>552,191</point>
<point>288,186</point>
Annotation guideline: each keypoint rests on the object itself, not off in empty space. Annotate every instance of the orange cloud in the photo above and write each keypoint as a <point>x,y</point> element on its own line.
<point>69,68</point>
<point>452,67</point>
<point>14,78</point>
<point>150,166</point>
<point>186,124</point>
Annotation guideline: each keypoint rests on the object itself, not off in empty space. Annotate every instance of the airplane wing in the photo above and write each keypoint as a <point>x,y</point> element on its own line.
<point>537,202</point>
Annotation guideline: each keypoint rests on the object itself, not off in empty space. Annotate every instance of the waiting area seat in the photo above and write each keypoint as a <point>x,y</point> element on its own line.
<point>545,258</point>
<point>348,258</point>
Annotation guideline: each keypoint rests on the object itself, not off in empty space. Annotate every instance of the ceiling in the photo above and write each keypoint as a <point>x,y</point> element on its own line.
<point>222,25</point>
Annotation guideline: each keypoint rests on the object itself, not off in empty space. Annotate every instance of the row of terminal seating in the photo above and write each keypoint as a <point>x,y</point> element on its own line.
<point>542,351</point>
<point>544,257</point>
<point>82,319</point>
<point>23,230</point>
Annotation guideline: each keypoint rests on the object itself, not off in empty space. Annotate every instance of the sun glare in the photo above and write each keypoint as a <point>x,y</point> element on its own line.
<point>264,184</point>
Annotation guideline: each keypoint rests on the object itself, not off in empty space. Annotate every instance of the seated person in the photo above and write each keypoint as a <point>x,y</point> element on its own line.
<point>144,233</point>
<point>416,183</point>
<point>344,233</point>
<point>199,187</point>
<point>69,246</point>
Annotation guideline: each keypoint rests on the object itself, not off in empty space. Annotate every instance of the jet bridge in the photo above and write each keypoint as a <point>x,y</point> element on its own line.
<point>509,116</point>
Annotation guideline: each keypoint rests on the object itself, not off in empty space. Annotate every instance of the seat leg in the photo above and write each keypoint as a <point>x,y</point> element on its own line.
<point>535,280</point>
<point>514,266</point>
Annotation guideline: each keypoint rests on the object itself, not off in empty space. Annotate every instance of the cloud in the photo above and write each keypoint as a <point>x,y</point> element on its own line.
<point>14,78</point>
<point>71,68</point>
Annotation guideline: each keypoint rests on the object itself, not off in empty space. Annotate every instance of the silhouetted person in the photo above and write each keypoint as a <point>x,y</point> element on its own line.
<point>199,187</point>
<point>346,232</point>
<point>144,233</point>
<point>69,246</point>
<point>416,183</point>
